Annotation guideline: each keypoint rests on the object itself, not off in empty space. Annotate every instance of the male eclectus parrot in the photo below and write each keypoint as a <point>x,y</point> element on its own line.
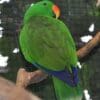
<point>47,43</point>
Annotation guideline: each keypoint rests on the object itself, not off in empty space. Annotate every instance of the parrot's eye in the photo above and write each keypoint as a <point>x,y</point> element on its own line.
<point>45,4</point>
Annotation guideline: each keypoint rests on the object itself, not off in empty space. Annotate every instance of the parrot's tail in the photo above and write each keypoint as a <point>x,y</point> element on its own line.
<point>66,92</point>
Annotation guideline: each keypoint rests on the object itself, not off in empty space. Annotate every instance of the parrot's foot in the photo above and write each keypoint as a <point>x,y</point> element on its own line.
<point>25,78</point>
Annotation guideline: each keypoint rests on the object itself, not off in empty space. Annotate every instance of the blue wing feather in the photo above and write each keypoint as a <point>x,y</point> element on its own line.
<point>66,76</point>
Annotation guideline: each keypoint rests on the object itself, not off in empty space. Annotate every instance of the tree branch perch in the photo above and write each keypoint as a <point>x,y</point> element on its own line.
<point>82,52</point>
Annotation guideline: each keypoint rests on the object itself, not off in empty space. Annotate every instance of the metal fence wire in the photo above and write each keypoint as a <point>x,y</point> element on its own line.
<point>78,15</point>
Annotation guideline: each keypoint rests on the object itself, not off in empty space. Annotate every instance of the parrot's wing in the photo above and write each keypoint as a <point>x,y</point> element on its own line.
<point>48,42</point>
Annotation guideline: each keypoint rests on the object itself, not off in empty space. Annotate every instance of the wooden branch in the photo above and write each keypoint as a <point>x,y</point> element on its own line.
<point>82,52</point>
<point>39,75</point>
<point>9,91</point>
<point>25,78</point>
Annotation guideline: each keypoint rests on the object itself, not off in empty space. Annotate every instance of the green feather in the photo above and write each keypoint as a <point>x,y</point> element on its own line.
<point>65,92</point>
<point>51,45</point>
<point>39,9</point>
<point>48,42</point>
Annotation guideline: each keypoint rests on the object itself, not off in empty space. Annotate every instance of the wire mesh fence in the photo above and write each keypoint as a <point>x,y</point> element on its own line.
<point>78,15</point>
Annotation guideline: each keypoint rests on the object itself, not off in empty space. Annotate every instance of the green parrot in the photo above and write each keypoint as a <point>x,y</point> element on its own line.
<point>46,42</point>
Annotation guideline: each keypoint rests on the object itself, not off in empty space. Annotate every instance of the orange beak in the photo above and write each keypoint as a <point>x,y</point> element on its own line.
<point>56,10</point>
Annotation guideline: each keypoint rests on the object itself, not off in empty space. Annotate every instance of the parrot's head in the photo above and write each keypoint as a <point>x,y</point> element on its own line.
<point>42,8</point>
